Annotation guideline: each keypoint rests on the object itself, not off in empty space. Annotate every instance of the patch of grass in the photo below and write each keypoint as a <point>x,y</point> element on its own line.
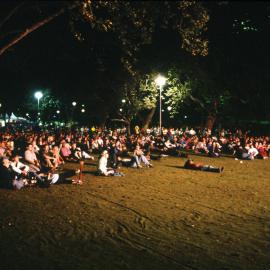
<point>161,218</point>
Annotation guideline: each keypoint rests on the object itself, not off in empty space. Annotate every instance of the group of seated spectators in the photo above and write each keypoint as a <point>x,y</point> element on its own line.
<point>28,154</point>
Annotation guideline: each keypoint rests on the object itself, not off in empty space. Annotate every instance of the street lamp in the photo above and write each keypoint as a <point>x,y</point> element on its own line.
<point>74,103</point>
<point>38,96</point>
<point>160,81</point>
<point>82,110</point>
<point>57,111</point>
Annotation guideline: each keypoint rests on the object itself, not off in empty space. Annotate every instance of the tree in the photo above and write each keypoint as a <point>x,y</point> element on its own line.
<point>141,100</point>
<point>188,17</point>
<point>48,106</point>
<point>129,25</point>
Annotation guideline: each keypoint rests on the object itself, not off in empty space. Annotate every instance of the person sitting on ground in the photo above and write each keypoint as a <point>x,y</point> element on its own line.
<point>56,154</point>
<point>8,176</point>
<point>78,154</point>
<point>114,158</point>
<point>214,149</point>
<point>22,171</point>
<point>18,167</point>
<point>252,151</point>
<point>190,164</point>
<point>262,150</point>
<point>102,165</point>
<point>65,151</point>
<point>31,158</point>
<point>47,160</point>
<point>138,157</point>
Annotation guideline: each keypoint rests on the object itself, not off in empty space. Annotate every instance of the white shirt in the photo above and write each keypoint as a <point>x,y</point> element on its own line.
<point>102,165</point>
<point>30,156</point>
<point>253,151</point>
<point>17,167</point>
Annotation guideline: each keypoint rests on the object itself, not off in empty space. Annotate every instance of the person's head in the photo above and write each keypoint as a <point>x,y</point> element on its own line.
<point>5,162</point>
<point>105,154</point>
<point>74,145</point>
<point>15,158</point>
<point>30,147</point>
<point>46,148</point>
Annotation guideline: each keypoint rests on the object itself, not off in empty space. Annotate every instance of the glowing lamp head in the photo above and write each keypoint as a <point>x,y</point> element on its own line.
<point>74,103</point>
<point>160,80</point>
<point>38,95</point>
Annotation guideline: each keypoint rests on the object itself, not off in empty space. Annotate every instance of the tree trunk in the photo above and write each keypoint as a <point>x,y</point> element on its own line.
<point>147,120</point>
<point>210,121</point>
<point>103,120</point>
<point>128,127</point>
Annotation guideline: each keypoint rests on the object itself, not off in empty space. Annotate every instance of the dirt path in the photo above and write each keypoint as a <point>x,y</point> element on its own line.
<point>161,218</point>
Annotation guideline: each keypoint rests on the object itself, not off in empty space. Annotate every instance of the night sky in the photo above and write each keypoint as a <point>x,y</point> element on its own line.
<point>51,58</point>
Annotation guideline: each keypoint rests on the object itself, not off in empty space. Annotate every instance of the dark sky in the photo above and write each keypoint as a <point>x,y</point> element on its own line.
<point>50,58</point>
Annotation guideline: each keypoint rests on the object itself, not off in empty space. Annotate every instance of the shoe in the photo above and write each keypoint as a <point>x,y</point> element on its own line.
<point>150,165</point>
<point>221,169</point>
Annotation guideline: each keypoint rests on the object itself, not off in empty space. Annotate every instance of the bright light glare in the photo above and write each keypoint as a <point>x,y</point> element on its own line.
<point>169,108</point>
<point>82,110</point>
<point>38,95</point>
<point>74,103</point>
<point>58,111</point>
<point>160,80</point>
<point>123,101</point>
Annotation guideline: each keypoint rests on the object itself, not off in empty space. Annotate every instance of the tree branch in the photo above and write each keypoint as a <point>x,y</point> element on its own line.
<point>197,101</point>
<point>35,26</point>
<point>11,13</point>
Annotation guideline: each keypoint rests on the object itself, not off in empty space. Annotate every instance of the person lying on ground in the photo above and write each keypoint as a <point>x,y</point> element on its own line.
<point>190,164</point>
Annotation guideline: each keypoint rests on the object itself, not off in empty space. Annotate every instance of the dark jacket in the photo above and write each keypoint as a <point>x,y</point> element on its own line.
<point>6,177</point>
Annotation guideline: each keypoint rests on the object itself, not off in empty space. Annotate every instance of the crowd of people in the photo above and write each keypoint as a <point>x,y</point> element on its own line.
<point>30,157</point>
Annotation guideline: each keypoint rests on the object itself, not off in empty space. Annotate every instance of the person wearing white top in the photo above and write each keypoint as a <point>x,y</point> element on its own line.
<point>253,152</point>
<point>102,164</point>
<point>18,166</point>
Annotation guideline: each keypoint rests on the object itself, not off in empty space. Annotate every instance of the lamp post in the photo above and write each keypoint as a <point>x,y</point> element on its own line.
<point>160,81</point>
<point>38,96</point>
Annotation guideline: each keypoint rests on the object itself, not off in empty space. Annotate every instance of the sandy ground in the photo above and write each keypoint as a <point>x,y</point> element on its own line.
<point>161,218</point>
